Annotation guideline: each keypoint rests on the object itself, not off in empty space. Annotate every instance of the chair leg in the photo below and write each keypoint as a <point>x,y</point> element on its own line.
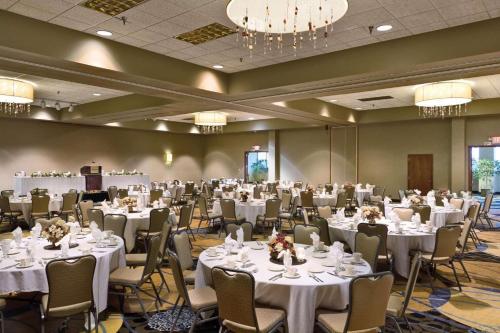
<point>89,325</point>
<point>96,316</point>
<point>456,276</point>
<point>143,308</point>
<point>193,324</point>
<point>162,277</point>
<point>158,299</point>
<point>395,322</point>
<point>177,317</point>
<point>465,270</point>
<point>407,323</point>
<point>428,270</point>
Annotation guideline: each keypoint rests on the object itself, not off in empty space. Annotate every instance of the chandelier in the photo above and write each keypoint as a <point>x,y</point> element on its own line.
<point>443,99</point>
<point>15,96</point>
<point>210,122</point>
<point>277,20</point>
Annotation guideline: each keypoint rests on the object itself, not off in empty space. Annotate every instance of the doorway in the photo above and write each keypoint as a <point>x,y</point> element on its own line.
<point>256,166</point>
<point>420,172</point>
<point>484,169</point>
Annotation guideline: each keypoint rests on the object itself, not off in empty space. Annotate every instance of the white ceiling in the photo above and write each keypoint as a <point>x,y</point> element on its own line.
<point>483,87</point>
<point>153,24</point>
<point>232,116</point>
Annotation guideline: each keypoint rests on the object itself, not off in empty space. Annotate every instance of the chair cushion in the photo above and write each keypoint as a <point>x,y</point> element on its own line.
<point>64,311</point>
<point>212,216</point>
<point>189,276</point>
<point>266,219</point>
<point>144,233</point>
<point>285,215</point>
<point>428,257</point>
<point>267,318</point>
<point>13,213</point>
<point>136,259</point>
<point>395,305</point>
<point>202,298</point>
<point>334,321</point>
<point>126,275</point>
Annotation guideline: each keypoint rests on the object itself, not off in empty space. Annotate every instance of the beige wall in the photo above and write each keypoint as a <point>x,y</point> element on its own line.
<point>40,145</point>
<point>384,148</point>
<point>344,154</point>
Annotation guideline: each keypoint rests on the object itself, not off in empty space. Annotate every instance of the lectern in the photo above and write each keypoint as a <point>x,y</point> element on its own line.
<point>93,177</point>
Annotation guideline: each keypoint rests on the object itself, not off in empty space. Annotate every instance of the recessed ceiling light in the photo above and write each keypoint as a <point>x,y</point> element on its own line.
<point>96,94</point>
<point>218,66</point>
<point>384,27</point>
<point>359,108</point>
<point>333,100</point>
<point>251,118</point>
<point>104,33</point>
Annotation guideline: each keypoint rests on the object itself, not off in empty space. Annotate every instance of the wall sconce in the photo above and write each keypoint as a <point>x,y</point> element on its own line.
<point>169,158</point>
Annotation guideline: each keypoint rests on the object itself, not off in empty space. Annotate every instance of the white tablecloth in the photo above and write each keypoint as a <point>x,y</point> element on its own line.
<point>298,297</point>
<point>440,216</point>
<point>249,210</point>
<point>24,205</point>
<point>138,221</point>
<point>56,185</point>
<point>34,278</point>
<point>399,244</point>
<point>467,204</point>
<point>363,194</point>
<point>124,181</point>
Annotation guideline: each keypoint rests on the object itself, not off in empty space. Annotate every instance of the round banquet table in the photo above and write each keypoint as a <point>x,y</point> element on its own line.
<point>362,195</point>
<point>137,221</point>
<point>399,244</point>
<point>248,210</point>
<point>299,297</point>
<point>34,278</point>
<point>24,205</point>
<point>440,216</point>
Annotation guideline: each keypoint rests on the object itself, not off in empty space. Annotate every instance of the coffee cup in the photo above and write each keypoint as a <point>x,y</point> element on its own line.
<point>24,262</point>
<point>292,271</point>
<point>349,270</point>
<point>356,257</point>
<point>351,225</point>
<point>112,241</point>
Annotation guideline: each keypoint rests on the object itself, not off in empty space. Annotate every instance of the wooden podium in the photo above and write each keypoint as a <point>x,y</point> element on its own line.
<point>93,177</point>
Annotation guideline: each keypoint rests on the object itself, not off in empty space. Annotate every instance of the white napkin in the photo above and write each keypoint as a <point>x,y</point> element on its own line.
<point>335,187</point>
<point>37,230</point>
<point>287,258</point>
<point>104,204</point>
<point>418,192</point>
<point>156,204</point>
<point>315,239</point>
<point>18,234</point>
<point>394,217</point>
<point>274,233</point>
<point>416,218</point>
<point>387,200</point>
<point>446,203</point>
<point>340,215</point>
<point>243,254</point>
<point>228,241</point>
<point>405,202</point>
<point>97,234</point>
<point>454,195</point>
<point>358,187</point>
<point>239,236</point>
<point>300,252</point>
<point>93,225</point>
<point>116,202</point>
<point>64,246</point>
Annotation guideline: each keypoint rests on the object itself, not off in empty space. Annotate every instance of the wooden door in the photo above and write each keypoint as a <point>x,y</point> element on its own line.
<point>420,175</point>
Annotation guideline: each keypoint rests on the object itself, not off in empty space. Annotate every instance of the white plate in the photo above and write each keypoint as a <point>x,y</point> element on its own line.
<point>14,252</point>
<point>257,247</point>
<point>320,255</point>
<point>213,255</point>
<point>22,266</point>
<point>92,241</point>
<point>344,274</point>
<point>315,269</point>
<point>275,268</point>
<point>289,276</point>
<point>328,264</point>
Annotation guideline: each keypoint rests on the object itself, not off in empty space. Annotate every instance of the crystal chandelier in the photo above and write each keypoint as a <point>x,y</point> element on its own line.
<point>210,122</point>
<point>276,19</point>
<point>15,96</point>
<point>443,99</point>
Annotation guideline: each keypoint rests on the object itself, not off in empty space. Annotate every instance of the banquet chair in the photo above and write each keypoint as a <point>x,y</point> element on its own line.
<point>167,201</point>
<point>424,211</point>
<point>444,251</point>
<point>39,191</point>
<point>328,188</point>
<point>379,191</point>
<point>369,247</point>
<point>115,223</point>
<point>40,206</point>
<point>198,300</point>
<point>182,248</point>
<point>381,231</point>
<point>157,217</point>
<point>257,190</point>
<point>289,216</point>
<point>298,185</point>
<point>349,192</point>
<point>134,278</point>
<point>439,201</point>
<point>185,217</point>
<point>205,214</point>
<point>70,283</point>
<point>380,205</point>
<point>238,311</point>
<point>69,199</point>
<point>375,198</point>
<point>306,199</point>
<point>401,194</point>
<point>462,245</point>
<point>6,212</point>
<point>324,230</point>
<point>473,215</point>
<point>228,207</point>
<point>155,195</point>
<point>341,201</point>
<point>404,214</point>
<point>188,190</point>
<point>484,214</point>
<point>227,188</point>
<point>97,216</point>
<point>325,212</point>
<point>215,184</point>
<point>112,193</point>
<point>368,300</point>
<point>82,211</point>
<point>178,200</point>
<point>7,193</point>
<point>271,215</point>
<point>397,305</point>
<point>286,201</point>
<point>302,234</point>
<point>122,193</point>
<point>457,203</point>
<point>247,230</point>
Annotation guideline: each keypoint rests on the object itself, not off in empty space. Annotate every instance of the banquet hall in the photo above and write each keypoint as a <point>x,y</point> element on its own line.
<point>294,166</point>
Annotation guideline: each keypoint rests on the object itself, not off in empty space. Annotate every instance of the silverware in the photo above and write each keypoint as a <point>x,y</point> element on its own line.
<point>336,275</point>
<point>275,277</point>
<point>317,279</point>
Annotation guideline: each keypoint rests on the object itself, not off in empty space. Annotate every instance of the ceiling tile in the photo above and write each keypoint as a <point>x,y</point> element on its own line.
<point>140,18</point>
<point>192,20</point>
<point>157,48</point>
<point>116,26</point>
<point>53,6</point>
<point>351,35</point>
<point>359,6</point>
<point>180,55</point>
<point>402,8</point>
<point>131,41</point>
<point>462,9</point>
<point>174,44</point>
<point>148,36</point>
<point>69,23</point>
<point>168,29</point>
<point>189,4</point>
<point>428,27</point>
<point>394,34</point>
<point>468,19</point>
<point>421,19</point>
<point>4,4</point>
<point>160,8</point>
<point>491,4</point>
<point>36,13</point>
<point>85,15</point>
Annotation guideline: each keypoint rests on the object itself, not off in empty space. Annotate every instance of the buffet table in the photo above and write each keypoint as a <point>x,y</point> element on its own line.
<point>56,185</point>
<point>123,181</point>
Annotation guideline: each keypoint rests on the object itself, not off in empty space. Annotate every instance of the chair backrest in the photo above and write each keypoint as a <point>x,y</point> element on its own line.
<point>228,208</point>
<point>298,185</point>
<point>4,204</point>
<point>167,201</point>
<point>215,183</point>
<point>70,283</point>
<point>236,310</point>
<point>286,200</point>
<point>295,204</point>
<point>487,202</point>
<point>341,199</point>
<point>112,192</point>
<point>328,188</point>
<point>178,194</point>
<point>401,194</point>
<point>324,232</point>
<point>189,188</point>
<point>306,198</point>
<point>40,203</point>
<point>69,199</point>
<point>157,217</point>
<point>97,216</point>
<point>379,191</point>
<point>439,200</point>
<point>368,299</point>
<point>165,239</point>
<point>473,212</point>
<point>203,205</point>
<point>379,230</point>
<point>227,188</point>
<point>273,208</point>
<point>184,217</point>
<point>464,235</point>
<point>116,223</point>
<point>325,212</point>
<point>368,247</point>
<point>180,284</point>
<point>457,203</point>
<point>7,193</point>
<point>404,214</point>
<point>424,211</point>
<point>257,190</point>
<point>84,206</point>
<point>302,234</point>
<point>446,241</point>
<point>122,193</point>
<point>412,281</point>
<point>155,195</point>
<point>183,250</point>
<point>349,191</point>
<point>154,243</point>
<point>247,230</point>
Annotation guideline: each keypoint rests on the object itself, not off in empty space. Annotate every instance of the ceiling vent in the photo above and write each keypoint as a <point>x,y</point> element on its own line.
<point>111,7</point>
<point>373,99</point>
<point>205,34</point>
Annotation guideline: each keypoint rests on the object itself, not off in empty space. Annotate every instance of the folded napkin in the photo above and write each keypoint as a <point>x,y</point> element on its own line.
<point>387,200</point>
<point>340,214</point>
<point>229,242</point>
<point>446,203</point>
<point>104,204</point>
<point>240,235</point>
<point>300,253</point>
<point>65,246</point>
<point>405,202</point>
<point>287,258</point>
<point>116,202</point>
<point>335,186</point>
<point>358,187</point>
<point>156,204</point>
<point>274,233</point>
<point>243,254</point>
<point>315,239</point>
<point>416,218</point>
<point>93,225</point>
<point>431,193</point>
<point>418,192</point>
<point>18,234</point>
<point>97,234</point>
<point>454,195</point>
<point>37,230</point>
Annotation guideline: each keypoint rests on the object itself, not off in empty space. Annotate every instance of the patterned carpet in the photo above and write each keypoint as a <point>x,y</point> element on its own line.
<point>474,310</point>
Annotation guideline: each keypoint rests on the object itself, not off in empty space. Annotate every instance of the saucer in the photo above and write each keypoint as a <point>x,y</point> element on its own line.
<point>213,255</point>
<point>14,252</point>
<point>315,269</point>
<point>24,266</point>
<point>275,268</point>
<point>320,255</point>
<point>328,263</point>
<point>290,276</point>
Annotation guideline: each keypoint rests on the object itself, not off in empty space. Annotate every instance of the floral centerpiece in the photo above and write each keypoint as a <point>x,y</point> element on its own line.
<point>310,188</point>
<point>244,196</point>
<point>347,184</point>
<point>371,213</point>
<point>53,173</point>
<point>278,244</point>
<point>54,233</point>
<point>416,199</point>
<point>443,193</point>
<point>130,203</point>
